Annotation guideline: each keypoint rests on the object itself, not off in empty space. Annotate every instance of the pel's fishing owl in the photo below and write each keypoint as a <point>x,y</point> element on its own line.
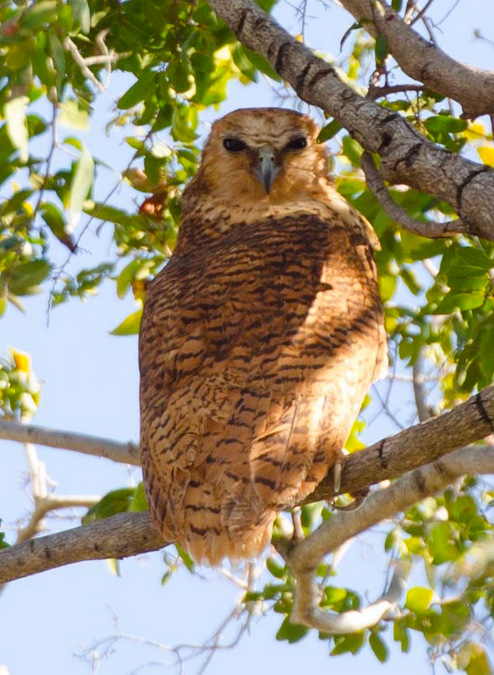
<point>259,339</point>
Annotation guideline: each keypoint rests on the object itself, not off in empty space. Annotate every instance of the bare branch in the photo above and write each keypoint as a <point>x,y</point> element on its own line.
<point>128,453</point>
<point>397,213</point>
<point>120,536</point>
<point>407,157</point>
<point>306,605</point>
<point>306,556</point>
<point>472,87</point>
<point>376,92</point>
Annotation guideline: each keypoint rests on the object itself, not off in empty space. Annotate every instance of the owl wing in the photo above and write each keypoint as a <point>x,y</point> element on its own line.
<point>255,357</point>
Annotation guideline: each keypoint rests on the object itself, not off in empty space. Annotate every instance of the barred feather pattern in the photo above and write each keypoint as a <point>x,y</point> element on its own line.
<point>258,343</point>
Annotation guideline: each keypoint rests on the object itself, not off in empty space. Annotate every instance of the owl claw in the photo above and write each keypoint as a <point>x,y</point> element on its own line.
<point>338,466</point>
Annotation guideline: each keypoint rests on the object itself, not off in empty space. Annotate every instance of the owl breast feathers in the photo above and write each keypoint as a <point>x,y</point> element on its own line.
<point>259,339</point>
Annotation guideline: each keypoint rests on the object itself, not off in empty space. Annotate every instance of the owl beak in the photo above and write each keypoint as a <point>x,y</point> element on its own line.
<point>266,168</point>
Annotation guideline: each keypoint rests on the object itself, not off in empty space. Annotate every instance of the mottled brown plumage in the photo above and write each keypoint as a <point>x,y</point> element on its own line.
<point>259,339</point>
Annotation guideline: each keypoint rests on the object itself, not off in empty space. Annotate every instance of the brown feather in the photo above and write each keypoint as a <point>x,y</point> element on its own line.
<point>258,343</point>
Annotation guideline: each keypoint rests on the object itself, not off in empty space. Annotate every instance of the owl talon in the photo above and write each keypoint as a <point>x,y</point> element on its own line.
<point>337,468</point>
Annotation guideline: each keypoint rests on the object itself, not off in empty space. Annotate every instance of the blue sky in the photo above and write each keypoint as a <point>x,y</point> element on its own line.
<point>90,384</point>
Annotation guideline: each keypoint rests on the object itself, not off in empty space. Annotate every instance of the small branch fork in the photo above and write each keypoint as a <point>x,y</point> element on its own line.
<point>306,556</point>
<point>428,229</point>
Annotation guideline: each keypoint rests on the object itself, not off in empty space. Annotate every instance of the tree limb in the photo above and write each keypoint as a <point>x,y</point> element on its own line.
<point>407,157</point>
<point>128,453</point>
<point>120,536</point>
<point>421,60</point>
<point>397,213</point>
<point>306,556</point>
<point>128,534</point>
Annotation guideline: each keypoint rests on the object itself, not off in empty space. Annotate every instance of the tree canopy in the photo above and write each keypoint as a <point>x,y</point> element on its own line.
<point>409,130</point>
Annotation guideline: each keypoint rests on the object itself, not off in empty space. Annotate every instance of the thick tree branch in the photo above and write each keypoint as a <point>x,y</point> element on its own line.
<point>306,556</point>
<point>120,536</point>
<point>407,157</point>
<point>128,534</point>
<point>421,60</point>
<point>128,453</point>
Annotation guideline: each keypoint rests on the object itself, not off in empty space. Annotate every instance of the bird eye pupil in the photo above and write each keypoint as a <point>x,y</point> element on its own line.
<point>234,144</point>
<point>297,143</point>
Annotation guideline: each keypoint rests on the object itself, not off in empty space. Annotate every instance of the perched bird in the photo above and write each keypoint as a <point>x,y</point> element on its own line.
<point>259,338</point>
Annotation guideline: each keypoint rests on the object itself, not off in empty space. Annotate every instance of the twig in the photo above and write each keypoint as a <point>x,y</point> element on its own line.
<point>376,92</point>
<point>419,391</point>
<point>127,453</point>
<point>71,47</point>
<point>398,214</point>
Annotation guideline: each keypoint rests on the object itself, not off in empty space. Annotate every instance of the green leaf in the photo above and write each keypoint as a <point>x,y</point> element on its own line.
<point>44,11</point>
<point>56,222</point>
<point>139,501</point>
<point>81,14</point>
<point>262,64</point>
<point>379,647</point>
<point>479,662</point>
<point>81,185</point>
<point>26,277</point>
<point>455,300</point>
<point>352,643</point>
<point>186,559</point>
<point>329,131</point>
<point>381,49</point>
<point>15,116</point>
<point>75,117</point>
<point>130,325</point>
<point>396,5</point>
<point>445,124</point>
<point>475,257</point>
<point>278,571</point>
<point>291,632</point>
<point>116,501</point>
<point>138,91</point>
<point>419,599</point>
<point>401,635</point>
<point>3,543</point>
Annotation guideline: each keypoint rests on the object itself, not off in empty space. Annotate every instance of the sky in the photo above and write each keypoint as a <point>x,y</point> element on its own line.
<point>50,623</point>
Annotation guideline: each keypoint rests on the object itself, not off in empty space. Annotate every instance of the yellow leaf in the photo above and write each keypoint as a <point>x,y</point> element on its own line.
<point>22,360</point>
<point>486,154</point>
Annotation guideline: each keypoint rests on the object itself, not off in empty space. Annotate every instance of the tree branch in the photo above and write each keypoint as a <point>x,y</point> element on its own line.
<point>120,536</point>
<point>413,447</point>
<point>128,534</point>
<point>306,556</point>
<point>398,214</point>
<point>407,157</point>
<point>128,453</point>
<point>421,60</point>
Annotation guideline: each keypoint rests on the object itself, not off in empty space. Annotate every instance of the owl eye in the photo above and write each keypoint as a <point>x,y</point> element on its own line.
<point>297,143</point>
<point>234,144</point>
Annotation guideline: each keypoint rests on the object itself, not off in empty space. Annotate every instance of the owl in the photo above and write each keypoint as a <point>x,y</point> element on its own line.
<point>259,339</point>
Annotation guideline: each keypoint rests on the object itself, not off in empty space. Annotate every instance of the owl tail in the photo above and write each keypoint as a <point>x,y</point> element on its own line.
<point>232,526</point>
